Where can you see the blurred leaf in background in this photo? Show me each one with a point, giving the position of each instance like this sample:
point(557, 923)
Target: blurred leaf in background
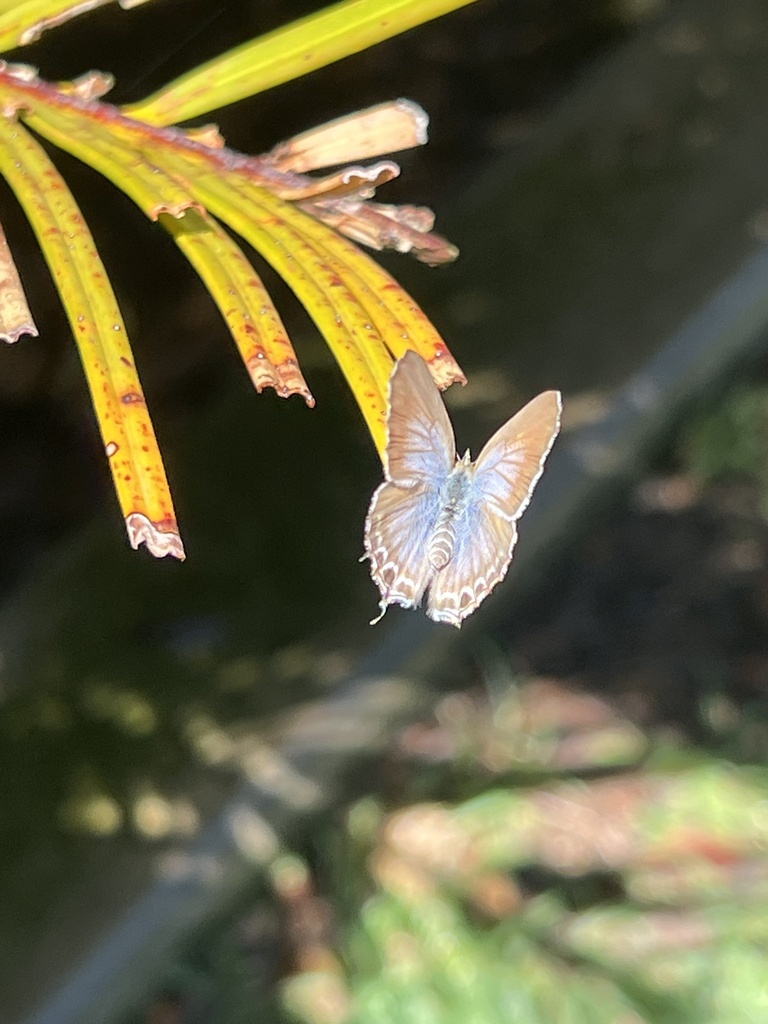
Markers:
point(620, 883)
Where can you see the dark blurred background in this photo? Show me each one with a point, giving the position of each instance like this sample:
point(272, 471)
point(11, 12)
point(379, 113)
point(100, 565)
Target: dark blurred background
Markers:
point(181, 743)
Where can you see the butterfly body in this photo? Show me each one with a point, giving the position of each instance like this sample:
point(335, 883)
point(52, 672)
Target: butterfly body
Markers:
point(445, 524)
point(453, 504)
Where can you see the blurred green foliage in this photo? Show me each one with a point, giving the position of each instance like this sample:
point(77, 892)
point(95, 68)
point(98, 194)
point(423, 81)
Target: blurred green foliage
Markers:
point(574, 887)
point(730, 437)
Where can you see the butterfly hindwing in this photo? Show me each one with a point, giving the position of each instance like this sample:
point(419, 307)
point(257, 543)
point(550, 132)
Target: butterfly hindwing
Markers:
point(480, 559)
point(397, 530)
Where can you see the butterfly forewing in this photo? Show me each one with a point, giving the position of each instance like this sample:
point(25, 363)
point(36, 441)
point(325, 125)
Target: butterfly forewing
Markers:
point(510, 464)
point(420, 445)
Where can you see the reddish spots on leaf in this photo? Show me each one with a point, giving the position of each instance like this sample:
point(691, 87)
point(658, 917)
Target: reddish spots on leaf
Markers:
point(126, 362)
point(167, 524)
point(145, 448)
point(131, 398)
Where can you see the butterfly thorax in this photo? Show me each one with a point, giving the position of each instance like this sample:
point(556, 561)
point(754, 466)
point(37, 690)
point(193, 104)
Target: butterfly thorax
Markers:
point(453, 503)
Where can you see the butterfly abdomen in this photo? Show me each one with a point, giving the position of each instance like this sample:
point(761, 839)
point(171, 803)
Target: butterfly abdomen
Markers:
point(441, 544)
point(453, 503)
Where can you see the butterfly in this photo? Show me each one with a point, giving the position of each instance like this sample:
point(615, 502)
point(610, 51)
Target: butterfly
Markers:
point(442, 523)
